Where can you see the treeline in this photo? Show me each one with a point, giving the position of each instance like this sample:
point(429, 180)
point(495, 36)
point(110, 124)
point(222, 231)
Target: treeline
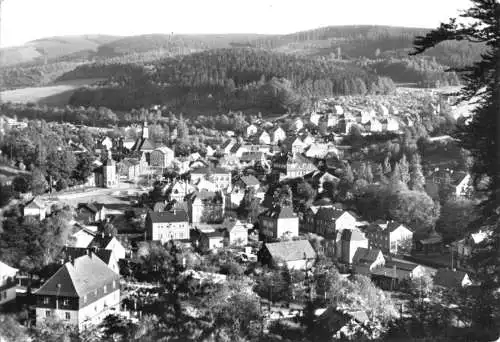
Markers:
point(425, 72)
point(225, 79)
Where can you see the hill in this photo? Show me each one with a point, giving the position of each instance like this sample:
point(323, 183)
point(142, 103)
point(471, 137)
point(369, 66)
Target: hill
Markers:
point(52, 48)
point(224, 79)
point(366, 41)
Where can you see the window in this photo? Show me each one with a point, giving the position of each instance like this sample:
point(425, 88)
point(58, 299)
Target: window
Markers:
point(105, 288)
point(67, 315)
point(47, 313)
point(45, 300)
point(65, 302)
point(85, 298)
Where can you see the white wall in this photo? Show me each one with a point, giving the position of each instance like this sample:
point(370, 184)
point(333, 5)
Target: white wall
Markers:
point(288, 225)
point(6, 295)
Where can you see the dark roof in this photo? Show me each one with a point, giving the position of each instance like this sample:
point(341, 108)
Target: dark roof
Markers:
point(71, 253)
point(227, 143)
point(249, 156)
point(291, 250)
point(449, 278)
point(206, 170)
point(34, 203)
point(78, 278)
point(235, 148)
point(328, 214)
point(177, 215)
point(215, 233)
point(365, 255)
point(143, 144)
point(278, 212)
point(93, 207)
point(352, 235)
point(101, 240)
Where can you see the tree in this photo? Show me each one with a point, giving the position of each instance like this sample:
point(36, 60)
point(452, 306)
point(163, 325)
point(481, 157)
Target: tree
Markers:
point(39, 183)
point(456, 216)
point(482, 135)
point(11, 330)
point(404, 170)
point(413, 208)
point(6, 194)
point(417, 179)
point(117, 328)
point(21, 184)
point(387, 167)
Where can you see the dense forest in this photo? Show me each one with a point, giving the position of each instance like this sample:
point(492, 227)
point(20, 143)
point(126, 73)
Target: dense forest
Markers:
point(425, 72)
point(225, 79)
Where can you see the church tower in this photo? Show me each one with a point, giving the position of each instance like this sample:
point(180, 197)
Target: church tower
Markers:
point(109, 173)
point(145, 131)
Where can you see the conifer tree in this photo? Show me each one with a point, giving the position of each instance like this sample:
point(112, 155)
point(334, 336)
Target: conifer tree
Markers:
point(417, 179)
point(404, 170)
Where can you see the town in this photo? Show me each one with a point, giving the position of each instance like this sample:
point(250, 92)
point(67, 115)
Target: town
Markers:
point(333, 211)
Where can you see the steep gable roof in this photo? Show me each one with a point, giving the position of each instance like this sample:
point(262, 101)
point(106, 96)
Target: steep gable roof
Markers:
point(291, 250)
point(176, 215)
point(78, 278)
point(449, 278)
point(278, 212)
point(365, 255)
point(353, 235)
point(328, 214)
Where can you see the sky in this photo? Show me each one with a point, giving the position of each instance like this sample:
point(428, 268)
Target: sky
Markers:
point(26, 20)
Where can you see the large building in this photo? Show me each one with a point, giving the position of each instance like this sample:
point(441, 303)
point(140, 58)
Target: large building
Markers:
point(107, 175)
point(167, 225)
point(292, 166)
point(162, 157)
point(206, 207)
point(294, 254)
point(390, 237)
point(221, 177)
point(279, 222)
point(81, 293)
point(144, 144)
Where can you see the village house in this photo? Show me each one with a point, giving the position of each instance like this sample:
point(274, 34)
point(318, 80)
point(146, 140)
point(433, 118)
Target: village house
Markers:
point(236, 232)
point(351, 240)
point(81, 293)
point(292, 166)
point(298, 255)
point(162, 157)
point(330, 222)
point(90, 213)
point(246, 182)
point(211, 240)
point(179, 189)
point(314, 118)
point(226, 147)
point(144, 144)
point(106, 255)
point(106, 176)
point(205, 185)
point(277, 134)
point(106, 143)
point(319, 178)
point(108, 242)
point(221, 177)
point(373, 126)
point(83, 237)
point(319, 151)
point(389, 124)
point(251, 130)
point(253, 158)
point(294, 144)
point(307, 218)
point(263, 138)
point(205, 206)
point(279, 222)
point(35, 208)
point(366, 260)
point(130, 169)
point(464, 248)
point(459, 180)
point(390, 237)
point(167, 225)
point(396, 273)
point(238, 149)
point(7, 283)
point(209, 151)
point(297, 124)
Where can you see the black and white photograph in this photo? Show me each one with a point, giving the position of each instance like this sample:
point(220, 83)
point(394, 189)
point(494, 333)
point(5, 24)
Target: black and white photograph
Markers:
point(247, 171)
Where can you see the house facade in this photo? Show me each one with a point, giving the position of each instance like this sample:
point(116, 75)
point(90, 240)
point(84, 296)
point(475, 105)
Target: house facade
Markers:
point(292, 166)
point(167, 225)
point(161, 157)
point(221, 177)
point(390, 237)
point(81, 293)
point(35, 208)
point(7, 283)
point(206, 207)
point(278, 222)
point(298, 255)
point(351, 240)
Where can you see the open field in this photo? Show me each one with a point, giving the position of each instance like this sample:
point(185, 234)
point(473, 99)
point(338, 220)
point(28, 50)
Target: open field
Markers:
point(56, 94)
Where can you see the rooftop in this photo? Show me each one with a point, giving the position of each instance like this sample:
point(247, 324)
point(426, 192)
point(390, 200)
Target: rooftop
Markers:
point(291, 250)
point(176, 215)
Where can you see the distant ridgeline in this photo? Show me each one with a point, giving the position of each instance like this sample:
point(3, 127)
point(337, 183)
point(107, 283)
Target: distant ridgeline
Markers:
point(225, 79)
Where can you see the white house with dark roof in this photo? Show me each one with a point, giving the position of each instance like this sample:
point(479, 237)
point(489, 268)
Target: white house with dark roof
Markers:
point(81, 293)
point(7, 283)
point(366, 260)
point(36, 209)
point(451, 278)
point(297, 254)
point(263, 138)
point(279, 222)
point(161, 157)
point(227, 146)
point(109, 242)
point(167, 225)
point(389, 236)
point(251, 130)
point(351, 240)
point(277, 134)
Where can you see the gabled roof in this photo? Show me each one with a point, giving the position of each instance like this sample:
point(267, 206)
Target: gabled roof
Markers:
point(71, 253)
point(164, 149)
point(328, 214)
point(35, 203)
point(78, 278)
point(227, 143)
point(291, 250)
point(101, 240)
point(92, 207)
point(365, 255)
point(278, 212)
point(176, 215)
point(206, 170)
point(252, 156)
point(6, 270)
point(235, 148)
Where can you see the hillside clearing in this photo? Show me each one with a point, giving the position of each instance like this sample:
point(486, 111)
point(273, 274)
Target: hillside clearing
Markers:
point(57, 94)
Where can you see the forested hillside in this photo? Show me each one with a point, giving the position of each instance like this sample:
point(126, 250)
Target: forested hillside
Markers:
point(225, 79)
point(369, 42)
